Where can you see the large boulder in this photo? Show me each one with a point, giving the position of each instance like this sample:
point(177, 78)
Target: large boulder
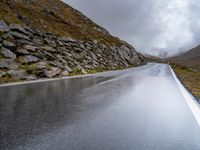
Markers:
point(7, 53)
point(69, 69)
point(48, 49)
point(30, 48)
point(28, 59)
point(61, 59)
point(8, 64)
point(18, 28)
point(52, 72)
point(2, 74)
point(20, 35)
point(41, 65)
point(93, 56)
point(22, 52)
point(65, 73)
point(3, 26)
point(23, 42)
point(9, 45)
point(20, 75)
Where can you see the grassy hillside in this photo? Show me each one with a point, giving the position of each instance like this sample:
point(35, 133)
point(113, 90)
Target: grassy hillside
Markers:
point(56, 17)
point(189, 78)
point(48, 38)
point(188, 69)
point(190, 58)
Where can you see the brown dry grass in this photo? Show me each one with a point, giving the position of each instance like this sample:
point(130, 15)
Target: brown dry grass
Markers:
point(189, 78)
point(56, 17)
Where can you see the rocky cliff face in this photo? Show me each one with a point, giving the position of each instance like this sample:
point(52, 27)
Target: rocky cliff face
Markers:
point(48, 38)
point(27, 54)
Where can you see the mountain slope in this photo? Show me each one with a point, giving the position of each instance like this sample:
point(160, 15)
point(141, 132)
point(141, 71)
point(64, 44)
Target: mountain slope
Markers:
point(48, 38)
point(190, 58)
point(56, 17)
point(187, 67)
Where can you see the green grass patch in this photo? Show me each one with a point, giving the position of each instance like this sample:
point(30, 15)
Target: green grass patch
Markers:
point(28, 68)
point(1, 33)
point(6, 78)
point(48, 67)
point(119, 68)
point(1, 57)
point(91, 71)
point(75, 71)
point(189, 78)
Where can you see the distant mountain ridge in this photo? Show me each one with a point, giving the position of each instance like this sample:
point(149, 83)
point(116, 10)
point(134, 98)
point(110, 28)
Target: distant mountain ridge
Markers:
point(187, 68)
point(190, 58)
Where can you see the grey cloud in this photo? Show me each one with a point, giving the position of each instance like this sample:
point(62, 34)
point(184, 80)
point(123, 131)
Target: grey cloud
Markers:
point(150, 26)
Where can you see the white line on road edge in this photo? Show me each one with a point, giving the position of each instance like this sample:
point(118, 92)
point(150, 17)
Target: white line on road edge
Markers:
point(53, 79)
point(193, 105)
point(64, 78)
point(111, 80)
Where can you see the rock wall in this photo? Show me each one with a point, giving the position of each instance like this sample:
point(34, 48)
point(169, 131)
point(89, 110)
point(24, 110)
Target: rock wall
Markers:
point(28, 54)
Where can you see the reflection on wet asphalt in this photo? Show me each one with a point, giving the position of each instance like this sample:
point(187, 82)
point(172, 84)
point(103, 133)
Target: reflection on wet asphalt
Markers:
point(139, 109)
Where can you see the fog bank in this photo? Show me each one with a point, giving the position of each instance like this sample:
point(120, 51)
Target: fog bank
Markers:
point(152, 27)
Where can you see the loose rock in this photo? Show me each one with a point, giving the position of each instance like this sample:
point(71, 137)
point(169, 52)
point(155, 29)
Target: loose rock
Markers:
point(18, 28)
point(30, 48)
point(22, 52)
point(3, 26)
point(20, 75)
point(2, 74)
point(41, 65)
point(9, 45)
point(28, 59)
point(53, 72)
point(83, 71)
point(49, 49)
point(68, 69)
point(7, 53)
point(20, 36)
point(65, 73)
point(8, 64)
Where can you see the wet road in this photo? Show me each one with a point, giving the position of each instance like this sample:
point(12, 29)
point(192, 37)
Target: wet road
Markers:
point(135, 109)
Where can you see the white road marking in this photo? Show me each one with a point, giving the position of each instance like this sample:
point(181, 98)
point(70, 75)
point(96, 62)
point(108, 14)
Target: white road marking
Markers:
point(54, 79)
point(190, 100)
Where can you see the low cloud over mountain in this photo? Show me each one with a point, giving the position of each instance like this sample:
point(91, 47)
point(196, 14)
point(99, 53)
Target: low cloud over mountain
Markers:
point(151, 25)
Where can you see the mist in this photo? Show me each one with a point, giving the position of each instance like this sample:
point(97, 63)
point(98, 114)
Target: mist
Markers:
point(155, 27)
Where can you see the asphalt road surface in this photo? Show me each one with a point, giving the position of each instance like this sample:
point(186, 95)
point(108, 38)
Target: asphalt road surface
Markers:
point(136, 109)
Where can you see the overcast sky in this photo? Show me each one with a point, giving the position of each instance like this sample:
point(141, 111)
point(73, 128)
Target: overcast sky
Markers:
point(149, 25)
